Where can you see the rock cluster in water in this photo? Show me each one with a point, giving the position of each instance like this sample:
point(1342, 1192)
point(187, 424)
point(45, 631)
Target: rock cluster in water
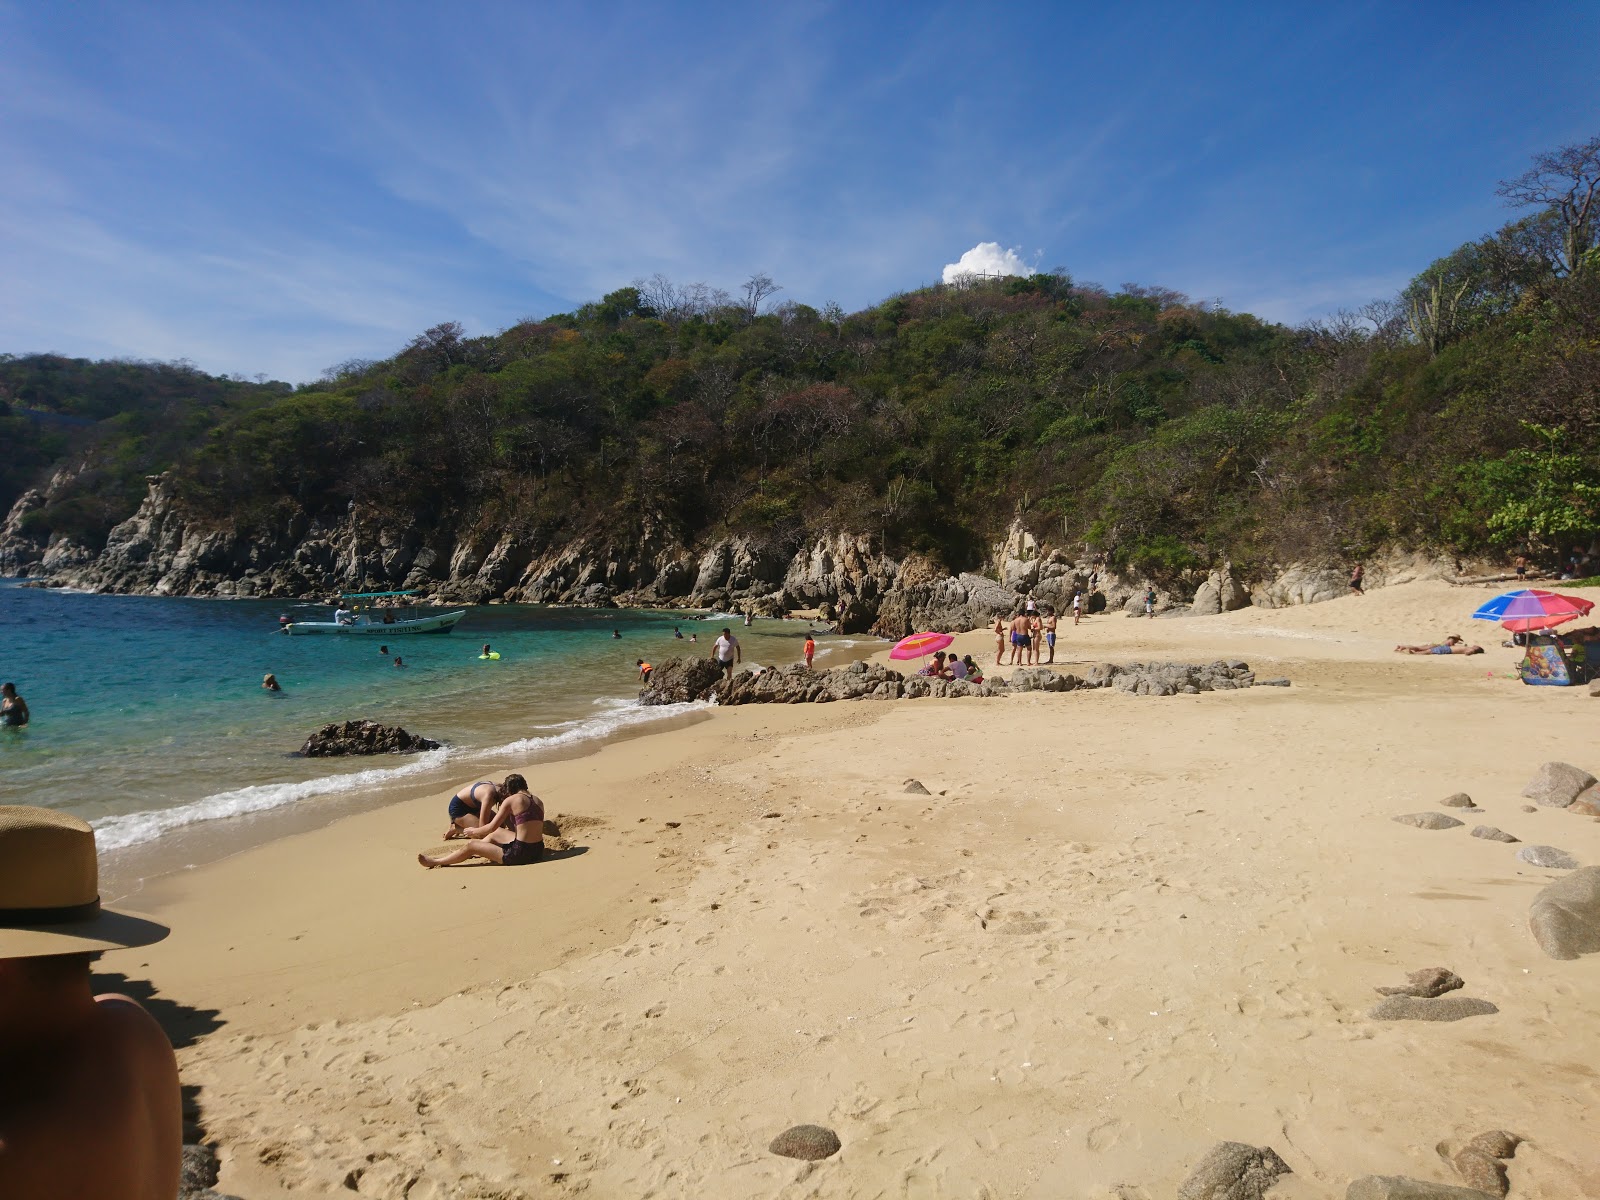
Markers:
point(363, 737)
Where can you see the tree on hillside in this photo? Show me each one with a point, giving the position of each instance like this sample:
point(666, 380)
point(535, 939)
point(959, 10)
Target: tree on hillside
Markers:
point(1565, 181)
point(756, 291)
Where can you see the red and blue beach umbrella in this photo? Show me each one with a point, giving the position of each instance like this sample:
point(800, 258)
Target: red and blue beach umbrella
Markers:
point(1530, 608)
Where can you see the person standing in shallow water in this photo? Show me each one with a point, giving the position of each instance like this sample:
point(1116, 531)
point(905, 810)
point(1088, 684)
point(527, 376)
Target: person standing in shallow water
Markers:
point(13, 708)
point(89, 1097)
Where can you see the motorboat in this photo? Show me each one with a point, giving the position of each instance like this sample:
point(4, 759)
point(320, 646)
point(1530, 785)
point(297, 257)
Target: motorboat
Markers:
point(371, 619)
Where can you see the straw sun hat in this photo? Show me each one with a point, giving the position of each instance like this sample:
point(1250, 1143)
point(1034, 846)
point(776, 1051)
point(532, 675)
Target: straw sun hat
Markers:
point(50, 889)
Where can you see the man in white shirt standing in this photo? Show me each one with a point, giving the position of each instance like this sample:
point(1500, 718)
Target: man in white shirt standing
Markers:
point(726, 653)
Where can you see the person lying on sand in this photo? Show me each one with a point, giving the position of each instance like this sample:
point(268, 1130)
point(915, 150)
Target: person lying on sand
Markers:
point(520, 810)
point(474, 804)
point(1451, 645)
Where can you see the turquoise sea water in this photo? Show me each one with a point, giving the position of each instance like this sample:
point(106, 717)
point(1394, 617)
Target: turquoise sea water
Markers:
point(149, 718)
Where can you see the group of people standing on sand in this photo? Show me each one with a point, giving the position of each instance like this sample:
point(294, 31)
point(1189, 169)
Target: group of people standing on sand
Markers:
point(502, 823)
point(1030, 631)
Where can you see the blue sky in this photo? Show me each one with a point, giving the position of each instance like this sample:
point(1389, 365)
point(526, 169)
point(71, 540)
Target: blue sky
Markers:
point(276, 188)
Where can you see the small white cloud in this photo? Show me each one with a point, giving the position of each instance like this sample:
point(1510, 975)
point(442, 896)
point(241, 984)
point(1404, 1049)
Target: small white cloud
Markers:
point(987, 258)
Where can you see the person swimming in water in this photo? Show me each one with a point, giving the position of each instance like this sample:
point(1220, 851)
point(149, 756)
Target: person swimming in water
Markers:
point(398, 661)
point(13, 708)
point(523, 812)
point(269, 683)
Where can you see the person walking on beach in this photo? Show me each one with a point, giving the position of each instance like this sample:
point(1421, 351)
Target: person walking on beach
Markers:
point(13, 708)
point(810, 650)
point(473, 803)
point(89, 1098)
point(523, 843)
point(1521, 565)
point(726, 653)
point(1355, 580)
point(1150, 603)
point(1050, 633)
point(999, 639)
point(1035, 636)
point(1077, 606)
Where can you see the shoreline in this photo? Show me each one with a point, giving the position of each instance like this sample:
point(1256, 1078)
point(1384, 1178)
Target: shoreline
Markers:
point(1115, 930)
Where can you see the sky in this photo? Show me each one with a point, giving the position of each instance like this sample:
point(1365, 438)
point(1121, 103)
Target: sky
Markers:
point(275, 189)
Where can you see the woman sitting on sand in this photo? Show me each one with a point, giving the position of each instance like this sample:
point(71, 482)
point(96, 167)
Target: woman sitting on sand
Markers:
point(1453, 644)
point(523, 843)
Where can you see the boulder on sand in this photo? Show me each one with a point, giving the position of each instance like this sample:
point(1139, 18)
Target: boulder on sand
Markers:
point(1428, 820)
point(1548, 856)
point(1565, 916)
point(1233, 1171)
point(810, 1142)
point(681, 680)
point(1428, 982)
point(1558, 784)
point(1490, 833)
point(363, 737)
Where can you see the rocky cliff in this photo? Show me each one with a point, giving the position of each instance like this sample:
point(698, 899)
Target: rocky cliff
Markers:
point(161, 550)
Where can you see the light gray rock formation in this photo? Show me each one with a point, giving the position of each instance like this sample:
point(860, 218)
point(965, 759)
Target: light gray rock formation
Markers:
point(1549, 857)
point(1302, 583)
point(1220, 593)
point(1490, 834)
point(1558, 784)
point(1233, 1171)
point(1428, 820)
point(1565, 916)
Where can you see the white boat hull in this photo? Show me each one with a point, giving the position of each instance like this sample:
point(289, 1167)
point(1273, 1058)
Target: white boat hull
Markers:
point(438, 623)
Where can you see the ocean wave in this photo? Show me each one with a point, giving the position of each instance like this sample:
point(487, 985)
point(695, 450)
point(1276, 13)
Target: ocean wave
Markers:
point(619, 715)
point(130, 829)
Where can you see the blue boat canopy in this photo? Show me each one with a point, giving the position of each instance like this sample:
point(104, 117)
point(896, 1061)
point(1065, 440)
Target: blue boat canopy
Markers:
point(374, 595)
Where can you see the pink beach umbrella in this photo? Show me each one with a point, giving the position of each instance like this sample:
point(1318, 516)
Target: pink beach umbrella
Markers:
point(919, 645)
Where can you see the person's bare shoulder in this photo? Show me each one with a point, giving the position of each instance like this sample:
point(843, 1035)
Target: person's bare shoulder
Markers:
point(125, 1020)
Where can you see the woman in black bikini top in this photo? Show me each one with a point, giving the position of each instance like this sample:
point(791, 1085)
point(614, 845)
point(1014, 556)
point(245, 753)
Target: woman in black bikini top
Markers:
point(525, 813)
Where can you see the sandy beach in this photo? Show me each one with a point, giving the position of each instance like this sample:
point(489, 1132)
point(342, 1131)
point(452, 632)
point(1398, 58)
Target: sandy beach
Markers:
point(1116, 931)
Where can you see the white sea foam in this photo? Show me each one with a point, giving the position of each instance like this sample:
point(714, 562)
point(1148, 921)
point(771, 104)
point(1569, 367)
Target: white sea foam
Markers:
point(119, 832)
point(618, 716)
point(115, 833)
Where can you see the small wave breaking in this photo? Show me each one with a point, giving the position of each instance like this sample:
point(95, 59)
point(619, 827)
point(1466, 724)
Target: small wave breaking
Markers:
point(130, 829)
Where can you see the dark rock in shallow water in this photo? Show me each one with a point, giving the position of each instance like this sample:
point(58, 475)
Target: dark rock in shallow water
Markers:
point(1397, 1187)
point(810, 1142)
point(363, 737)
point(1428, 820)
point(1233, 1171)
point(1428, 982)
point(1548, 856)
point(1422, 1008)
point(1565, 916)
point(1558, 784)
point(681, 680)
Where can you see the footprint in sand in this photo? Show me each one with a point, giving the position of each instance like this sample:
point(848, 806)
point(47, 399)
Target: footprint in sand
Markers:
point(1109, 1134)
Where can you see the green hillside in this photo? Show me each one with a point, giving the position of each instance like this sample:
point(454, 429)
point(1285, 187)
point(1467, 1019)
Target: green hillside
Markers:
point(1461, 415)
